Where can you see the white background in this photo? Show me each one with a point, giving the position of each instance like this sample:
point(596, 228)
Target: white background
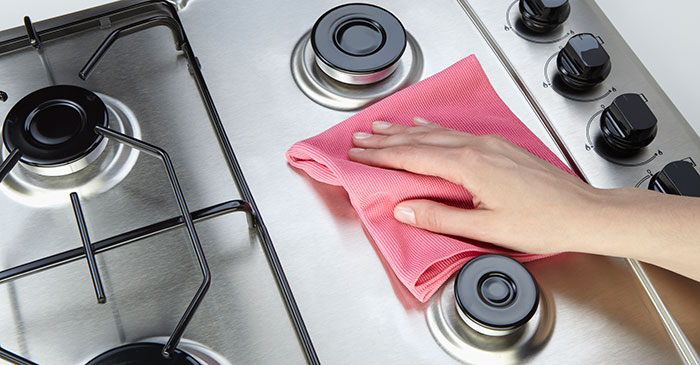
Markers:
point(661, 33)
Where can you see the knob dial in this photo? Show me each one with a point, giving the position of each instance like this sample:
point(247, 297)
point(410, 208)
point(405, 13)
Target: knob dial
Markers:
point(583, 63)
point(678, 178)
point(628, 124)
point(544, 15)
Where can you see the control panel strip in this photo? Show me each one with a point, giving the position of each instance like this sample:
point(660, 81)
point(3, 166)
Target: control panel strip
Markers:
point(522, 87)
point(680, 341)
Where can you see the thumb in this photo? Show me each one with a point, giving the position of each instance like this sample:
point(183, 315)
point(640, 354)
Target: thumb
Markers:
point(441, 218)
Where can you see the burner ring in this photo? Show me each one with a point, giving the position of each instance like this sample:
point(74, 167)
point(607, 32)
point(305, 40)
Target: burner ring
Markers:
point(495, 295)
point(358, 43)
point(55, 126)
point(142, 353)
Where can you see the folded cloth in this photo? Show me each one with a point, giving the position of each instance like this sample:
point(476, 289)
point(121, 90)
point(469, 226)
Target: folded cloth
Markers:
point(459, 97)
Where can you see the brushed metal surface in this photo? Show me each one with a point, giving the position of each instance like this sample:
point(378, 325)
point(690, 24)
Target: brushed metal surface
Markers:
point(51, 317)
point(355, 309)
point(575, 118)
point(462, 338)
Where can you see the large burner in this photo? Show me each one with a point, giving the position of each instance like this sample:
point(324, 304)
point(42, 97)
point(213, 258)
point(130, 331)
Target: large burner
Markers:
point(54, 129)
point(142, 353)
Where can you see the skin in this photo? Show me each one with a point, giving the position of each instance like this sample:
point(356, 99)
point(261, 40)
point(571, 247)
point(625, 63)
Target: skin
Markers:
point(516, 194)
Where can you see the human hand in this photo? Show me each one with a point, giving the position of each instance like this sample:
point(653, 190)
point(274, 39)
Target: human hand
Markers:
point(521, 201)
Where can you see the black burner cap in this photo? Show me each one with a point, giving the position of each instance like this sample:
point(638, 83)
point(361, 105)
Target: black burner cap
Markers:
point(142, 353)
point(360, 38)
point(55, 125)
point(496, 292)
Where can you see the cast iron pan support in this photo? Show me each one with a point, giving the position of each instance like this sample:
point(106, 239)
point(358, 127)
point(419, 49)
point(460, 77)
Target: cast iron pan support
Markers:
point(89, 251)
point(246, 205)
point(173, 22)
point(10, 162)
point(14, 358)
point(158, 152)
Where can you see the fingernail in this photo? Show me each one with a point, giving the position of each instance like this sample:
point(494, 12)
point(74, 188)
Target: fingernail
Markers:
point(420, 120)
point(405, 214)
point(356, 150)
point(381, 125)
point(361, 135)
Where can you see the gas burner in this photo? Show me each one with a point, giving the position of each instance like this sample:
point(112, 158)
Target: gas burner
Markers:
point(149, 351)
point(354, 55)
point(358, 44)
point(145, 353)
point(27, 186)
point(495, 295)
point(54, 129)
point(491, 312)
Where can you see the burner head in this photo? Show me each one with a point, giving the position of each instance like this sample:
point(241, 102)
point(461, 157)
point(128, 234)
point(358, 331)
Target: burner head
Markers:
point(358, 43)
point(495, 295)
point(55, 126)
point(143, 353)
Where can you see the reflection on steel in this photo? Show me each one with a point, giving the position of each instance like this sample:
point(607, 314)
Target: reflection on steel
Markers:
point(89, 251)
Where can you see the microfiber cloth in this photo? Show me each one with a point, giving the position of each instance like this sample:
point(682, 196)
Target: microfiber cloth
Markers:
point(459, 97)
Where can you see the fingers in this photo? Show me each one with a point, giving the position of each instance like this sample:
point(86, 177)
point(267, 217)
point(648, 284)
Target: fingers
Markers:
point(441, 218)
point(424, 132)
point(413, 136)
point(420, 124)
point(419, 159)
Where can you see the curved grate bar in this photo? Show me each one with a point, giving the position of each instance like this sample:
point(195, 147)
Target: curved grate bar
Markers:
point(189, 225)
point(13, 358)
point(10, 162)
point(178, 34)
point(173, 21)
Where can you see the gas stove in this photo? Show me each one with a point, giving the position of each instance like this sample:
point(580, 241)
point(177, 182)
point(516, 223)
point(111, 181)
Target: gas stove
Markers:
point(161, 219)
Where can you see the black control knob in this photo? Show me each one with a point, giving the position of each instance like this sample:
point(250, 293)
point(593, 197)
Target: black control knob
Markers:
point(583, 63)
point(628, 124)
point(678, 178)
point(544, 15)
point(495, 295)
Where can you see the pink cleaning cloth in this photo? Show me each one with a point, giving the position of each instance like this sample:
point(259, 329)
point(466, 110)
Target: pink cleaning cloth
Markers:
point(460, 97)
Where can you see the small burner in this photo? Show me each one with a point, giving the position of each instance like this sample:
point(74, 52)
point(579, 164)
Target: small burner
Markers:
point(55, 126)
point(495, 295)
point(142, 353)
point(358, 43)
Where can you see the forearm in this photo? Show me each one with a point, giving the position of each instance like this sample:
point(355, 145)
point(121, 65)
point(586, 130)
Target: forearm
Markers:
point(648, 226)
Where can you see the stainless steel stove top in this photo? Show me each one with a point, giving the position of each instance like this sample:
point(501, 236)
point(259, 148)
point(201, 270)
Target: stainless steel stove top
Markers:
point(353, 307)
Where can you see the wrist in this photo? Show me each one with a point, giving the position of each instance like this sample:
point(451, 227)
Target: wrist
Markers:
point(610, 220)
